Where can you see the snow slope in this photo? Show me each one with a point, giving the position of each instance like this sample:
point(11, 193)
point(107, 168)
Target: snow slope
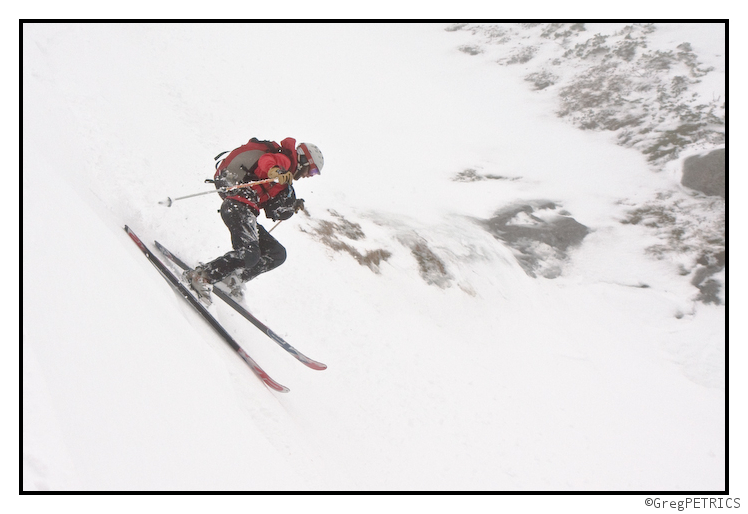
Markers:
point(469, 375)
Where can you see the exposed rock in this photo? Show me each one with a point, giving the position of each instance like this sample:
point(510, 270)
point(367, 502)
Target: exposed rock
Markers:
point(540, 234)
point(706, 173)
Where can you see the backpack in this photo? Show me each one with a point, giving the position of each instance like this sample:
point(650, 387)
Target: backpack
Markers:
point(239, 165)
point(243, 160)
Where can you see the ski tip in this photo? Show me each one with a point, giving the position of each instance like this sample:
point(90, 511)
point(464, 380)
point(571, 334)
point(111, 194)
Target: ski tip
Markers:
point(166, 202)
point(272, 384)
point(316, 365)
point(278, 388)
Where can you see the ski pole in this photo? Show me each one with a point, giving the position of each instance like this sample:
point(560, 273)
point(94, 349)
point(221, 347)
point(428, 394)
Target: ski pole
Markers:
point(168, 201)
point(273, 227)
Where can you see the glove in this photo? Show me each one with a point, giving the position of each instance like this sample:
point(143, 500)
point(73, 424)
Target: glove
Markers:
point(280, 175)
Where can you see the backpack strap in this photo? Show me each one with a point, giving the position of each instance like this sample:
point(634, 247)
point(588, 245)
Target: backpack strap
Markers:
point(217, 157)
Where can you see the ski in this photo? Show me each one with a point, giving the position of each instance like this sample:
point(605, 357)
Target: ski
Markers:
point(223, 295)
point(203, 311)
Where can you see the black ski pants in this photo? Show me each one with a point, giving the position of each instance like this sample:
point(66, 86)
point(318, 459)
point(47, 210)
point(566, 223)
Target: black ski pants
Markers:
point(255, 250)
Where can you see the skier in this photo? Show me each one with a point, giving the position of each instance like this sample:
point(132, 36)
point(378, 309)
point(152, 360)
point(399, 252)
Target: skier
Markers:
point(255, 250)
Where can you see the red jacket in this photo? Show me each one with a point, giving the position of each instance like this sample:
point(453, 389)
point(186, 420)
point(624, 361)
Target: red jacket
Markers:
point(258, 157)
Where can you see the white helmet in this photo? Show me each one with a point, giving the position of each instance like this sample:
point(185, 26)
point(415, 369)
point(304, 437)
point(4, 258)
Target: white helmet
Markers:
point(310, 158)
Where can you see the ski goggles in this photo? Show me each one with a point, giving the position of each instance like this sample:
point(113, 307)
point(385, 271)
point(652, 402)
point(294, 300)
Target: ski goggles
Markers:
point(306, 162)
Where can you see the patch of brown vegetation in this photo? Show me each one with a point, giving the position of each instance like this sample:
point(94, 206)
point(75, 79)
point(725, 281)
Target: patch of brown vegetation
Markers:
point(330, 233)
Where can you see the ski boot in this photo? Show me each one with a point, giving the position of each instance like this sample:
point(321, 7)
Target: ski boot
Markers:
point(198, 281)
point(234, 286)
